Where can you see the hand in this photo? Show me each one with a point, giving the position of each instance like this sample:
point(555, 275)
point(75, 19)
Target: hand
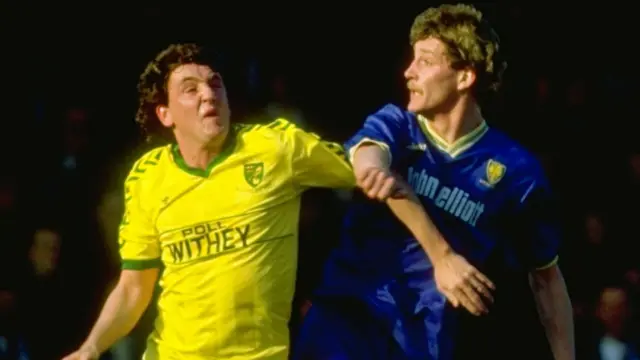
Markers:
point(463, 284)
point(380, 184)
point(84, 353)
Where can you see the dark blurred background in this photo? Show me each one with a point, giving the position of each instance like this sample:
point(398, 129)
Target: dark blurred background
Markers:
point(70, 73)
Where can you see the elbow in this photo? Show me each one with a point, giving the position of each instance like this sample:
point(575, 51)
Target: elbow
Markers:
point(548, 280)
point(546, 275)
point(137, 286)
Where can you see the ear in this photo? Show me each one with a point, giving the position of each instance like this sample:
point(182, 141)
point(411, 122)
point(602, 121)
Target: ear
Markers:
point(162, 111)
point(466, 79)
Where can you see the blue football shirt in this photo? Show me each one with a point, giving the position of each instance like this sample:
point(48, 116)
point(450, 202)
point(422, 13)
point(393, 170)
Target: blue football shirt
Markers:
point(487, 195)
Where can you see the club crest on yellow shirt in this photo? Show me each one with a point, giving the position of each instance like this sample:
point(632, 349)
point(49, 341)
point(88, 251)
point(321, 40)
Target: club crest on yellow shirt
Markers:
point(495, 172)
point(253, 173)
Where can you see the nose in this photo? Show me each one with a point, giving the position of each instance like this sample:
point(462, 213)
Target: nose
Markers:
point(409, 72)
point(208, 93)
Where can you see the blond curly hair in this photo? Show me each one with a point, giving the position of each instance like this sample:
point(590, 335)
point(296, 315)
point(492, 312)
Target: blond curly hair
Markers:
point(470, 41)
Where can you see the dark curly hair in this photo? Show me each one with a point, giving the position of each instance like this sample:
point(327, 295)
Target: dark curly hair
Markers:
point(470, 42)
point(152, 86)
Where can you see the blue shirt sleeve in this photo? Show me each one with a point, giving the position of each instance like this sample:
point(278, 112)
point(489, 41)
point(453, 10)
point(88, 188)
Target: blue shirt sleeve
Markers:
point(541, 230)
point(389, 127)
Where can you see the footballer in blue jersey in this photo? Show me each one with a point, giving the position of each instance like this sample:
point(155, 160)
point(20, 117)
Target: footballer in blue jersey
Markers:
point(487, 195)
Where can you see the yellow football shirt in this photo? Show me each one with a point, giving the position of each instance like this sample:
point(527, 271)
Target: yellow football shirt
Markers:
point(227, 238)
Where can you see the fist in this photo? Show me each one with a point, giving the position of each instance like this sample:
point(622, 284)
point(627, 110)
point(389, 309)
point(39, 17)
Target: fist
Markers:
point(376, 183)
point(379, 184)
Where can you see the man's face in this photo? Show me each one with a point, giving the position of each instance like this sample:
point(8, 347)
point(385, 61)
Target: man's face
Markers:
point(198, 108)
point(613, 309)
point(431, 81)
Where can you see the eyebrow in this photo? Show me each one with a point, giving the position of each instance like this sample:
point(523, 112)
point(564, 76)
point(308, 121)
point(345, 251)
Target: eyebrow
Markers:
point(215, 76)
point(427, 52)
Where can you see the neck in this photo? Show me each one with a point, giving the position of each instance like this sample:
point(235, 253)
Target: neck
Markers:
point(459, 120)
point(199, 156)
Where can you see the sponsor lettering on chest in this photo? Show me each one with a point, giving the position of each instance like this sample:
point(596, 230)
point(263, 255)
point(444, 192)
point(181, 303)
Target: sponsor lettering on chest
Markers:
point(451, 199)
point(206, 240)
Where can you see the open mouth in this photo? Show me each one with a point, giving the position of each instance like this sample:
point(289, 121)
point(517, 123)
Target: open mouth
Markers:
point(210, 113)
point(413, 91)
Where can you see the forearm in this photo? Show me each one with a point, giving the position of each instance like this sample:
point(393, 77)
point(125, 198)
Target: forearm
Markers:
point(554, 309)
point(408, 208)
point(410, 211)
point(119, 315)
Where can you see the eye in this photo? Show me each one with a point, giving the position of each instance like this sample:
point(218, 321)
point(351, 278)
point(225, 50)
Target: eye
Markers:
point(189, 89)
point(216, 82)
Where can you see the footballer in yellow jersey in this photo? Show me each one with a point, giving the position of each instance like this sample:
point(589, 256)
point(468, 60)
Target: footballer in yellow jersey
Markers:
point(218, 211)
point(227, 238)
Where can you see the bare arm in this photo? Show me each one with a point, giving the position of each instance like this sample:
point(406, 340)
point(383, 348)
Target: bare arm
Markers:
point(412, 214)
point(554, 309)
point(122, 310)
point(406, 208)
point(458, 280)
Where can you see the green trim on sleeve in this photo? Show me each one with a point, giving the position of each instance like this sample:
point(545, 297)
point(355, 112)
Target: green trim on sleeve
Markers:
point(141, 264)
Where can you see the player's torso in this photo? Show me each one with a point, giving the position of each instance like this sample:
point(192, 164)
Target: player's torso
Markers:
point(465, 195)
point(465, 192)
point(229, 247)
point(470, 194)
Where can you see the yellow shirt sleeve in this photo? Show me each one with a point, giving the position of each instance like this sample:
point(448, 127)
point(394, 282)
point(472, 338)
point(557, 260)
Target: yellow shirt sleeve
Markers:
point(138, 239)
point(315, 162)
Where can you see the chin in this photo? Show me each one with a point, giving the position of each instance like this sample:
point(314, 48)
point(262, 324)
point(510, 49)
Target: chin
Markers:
point(214, 127)
point(216, 132)
point(414, 107)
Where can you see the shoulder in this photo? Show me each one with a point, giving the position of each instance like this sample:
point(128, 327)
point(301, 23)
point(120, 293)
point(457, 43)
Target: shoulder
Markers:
point(270, 129)
point(393, 112)
point(522, 165)
point(148, 169)
point(276, 135)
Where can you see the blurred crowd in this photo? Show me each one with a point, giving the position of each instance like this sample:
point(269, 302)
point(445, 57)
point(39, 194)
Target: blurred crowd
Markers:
point(59, 230)
point(60, 209)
